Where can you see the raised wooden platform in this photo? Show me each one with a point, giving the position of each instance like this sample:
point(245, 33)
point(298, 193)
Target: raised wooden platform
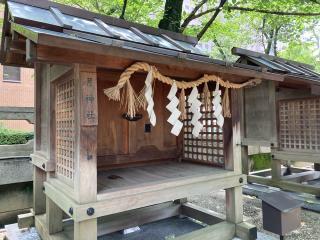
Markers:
point(131, 188)
point(142, 176)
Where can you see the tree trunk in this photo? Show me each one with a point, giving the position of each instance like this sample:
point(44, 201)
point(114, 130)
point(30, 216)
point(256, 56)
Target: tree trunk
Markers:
point(172, 15)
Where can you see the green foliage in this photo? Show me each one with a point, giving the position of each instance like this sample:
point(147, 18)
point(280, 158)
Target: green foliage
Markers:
point(8, 136)
point(302, 52)
point(261, 161)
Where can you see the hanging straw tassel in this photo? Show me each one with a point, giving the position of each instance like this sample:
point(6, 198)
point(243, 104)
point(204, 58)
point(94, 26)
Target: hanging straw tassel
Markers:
point(206, 97)
point(182, 105)
point(226, 104)
point(129, 100)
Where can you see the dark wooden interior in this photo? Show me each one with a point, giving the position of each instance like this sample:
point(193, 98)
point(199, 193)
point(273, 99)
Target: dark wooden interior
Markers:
point(123, 142)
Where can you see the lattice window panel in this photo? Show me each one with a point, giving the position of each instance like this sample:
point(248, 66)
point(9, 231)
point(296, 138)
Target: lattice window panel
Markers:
point(299, 124)
point(65, 130)
point(208, 147)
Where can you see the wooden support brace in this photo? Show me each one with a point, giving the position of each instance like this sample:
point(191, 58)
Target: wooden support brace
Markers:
point(86, 229)
point(39, 198)
point(54, 217)
point(286, 185)
point(276, 169)
point(234, 205)
point(204, 215)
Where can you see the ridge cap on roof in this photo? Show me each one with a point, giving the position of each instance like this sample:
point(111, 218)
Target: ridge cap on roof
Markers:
point(89, 15)
point(246, 52)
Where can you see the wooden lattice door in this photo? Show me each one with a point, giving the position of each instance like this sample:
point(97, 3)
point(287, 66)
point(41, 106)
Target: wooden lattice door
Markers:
point(208, 147)
point(65, 129)
point(299, 124)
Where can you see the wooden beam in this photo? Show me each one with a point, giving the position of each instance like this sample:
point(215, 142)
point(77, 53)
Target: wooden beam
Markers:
point(296, 156)
point(14, 46)
point(100, 49)
point(223, 230)
point(114, 202)
point(302, 176)
point(286, 185)
point(255, 142)
point(201, 214)
point(39, 160)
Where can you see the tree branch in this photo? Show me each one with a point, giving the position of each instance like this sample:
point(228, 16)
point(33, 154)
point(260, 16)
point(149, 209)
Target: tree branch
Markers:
point(220, 49)
point(209, 23)
point(124, 7)
point(195, 16)
point(315, 1)
point(191, 15)
point(304, 14)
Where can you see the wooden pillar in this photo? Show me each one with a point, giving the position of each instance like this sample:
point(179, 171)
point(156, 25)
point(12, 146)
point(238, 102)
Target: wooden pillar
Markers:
point(54, 217)
point(85, 230)
point(234, 205)
point(245, 160)
point(234, 201)
point(39, 176)
point(85, 176)
point(276, 169)
point(39, 198)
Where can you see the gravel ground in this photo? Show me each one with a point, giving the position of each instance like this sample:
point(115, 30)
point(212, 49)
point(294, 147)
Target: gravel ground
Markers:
point(310, 226)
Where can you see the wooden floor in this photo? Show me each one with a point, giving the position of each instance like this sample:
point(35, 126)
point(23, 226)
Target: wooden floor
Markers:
point(110, 180)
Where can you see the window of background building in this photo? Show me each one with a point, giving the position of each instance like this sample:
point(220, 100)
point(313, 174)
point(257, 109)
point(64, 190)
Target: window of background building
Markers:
point(11, 74)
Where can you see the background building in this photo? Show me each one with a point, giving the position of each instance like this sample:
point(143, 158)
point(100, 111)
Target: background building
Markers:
point(16, 90)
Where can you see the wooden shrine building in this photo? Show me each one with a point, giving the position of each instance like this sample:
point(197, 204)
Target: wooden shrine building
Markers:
point(286, 117)
point(98, 163)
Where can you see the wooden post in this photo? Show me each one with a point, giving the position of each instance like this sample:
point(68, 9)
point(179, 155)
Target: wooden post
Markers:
point(276, 169)
point(85, 230)
point(234, 205)
point(54, 217)
point(85, 179)
point(234, 201)
point(39, 198)
point(245, 160)
point(39, 176)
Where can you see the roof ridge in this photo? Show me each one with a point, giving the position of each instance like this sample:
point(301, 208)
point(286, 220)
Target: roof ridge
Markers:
point(85, 14)
point(242, 51)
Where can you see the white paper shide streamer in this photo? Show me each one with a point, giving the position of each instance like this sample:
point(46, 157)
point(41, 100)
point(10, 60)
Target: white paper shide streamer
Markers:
point(195, 104)
point(149, 98)
point(217, 107)
point(175, 113)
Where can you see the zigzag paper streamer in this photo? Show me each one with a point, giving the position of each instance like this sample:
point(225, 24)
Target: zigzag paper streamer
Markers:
point(217, 107)
point(149, 98)
point(195, 109)
point(175, 113)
